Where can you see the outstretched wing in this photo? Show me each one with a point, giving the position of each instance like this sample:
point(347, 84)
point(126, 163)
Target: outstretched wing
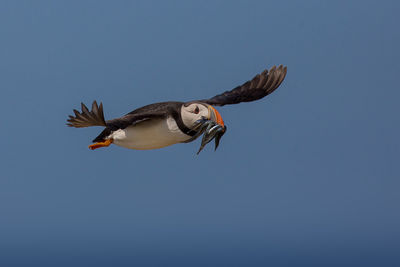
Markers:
point(87, 118)
point(132, 119)
point(260, 86)
point(148, 112)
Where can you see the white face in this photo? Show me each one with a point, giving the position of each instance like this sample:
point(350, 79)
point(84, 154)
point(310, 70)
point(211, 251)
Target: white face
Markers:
point(192, 113)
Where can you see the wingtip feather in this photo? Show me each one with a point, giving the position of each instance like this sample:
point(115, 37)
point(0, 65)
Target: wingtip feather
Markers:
point(86, 118)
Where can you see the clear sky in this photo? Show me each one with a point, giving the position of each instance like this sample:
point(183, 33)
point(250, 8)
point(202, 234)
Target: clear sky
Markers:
point(308, 176)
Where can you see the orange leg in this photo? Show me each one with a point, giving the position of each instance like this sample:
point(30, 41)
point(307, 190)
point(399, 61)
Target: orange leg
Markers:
point(101, 144)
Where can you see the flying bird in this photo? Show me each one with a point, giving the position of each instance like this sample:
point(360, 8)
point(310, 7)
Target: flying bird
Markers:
point(163, 124)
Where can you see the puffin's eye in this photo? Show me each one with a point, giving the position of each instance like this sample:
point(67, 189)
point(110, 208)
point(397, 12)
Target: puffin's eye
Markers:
point(196, 110)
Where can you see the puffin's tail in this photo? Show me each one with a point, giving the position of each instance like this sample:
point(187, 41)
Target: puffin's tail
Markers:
point(87, 118)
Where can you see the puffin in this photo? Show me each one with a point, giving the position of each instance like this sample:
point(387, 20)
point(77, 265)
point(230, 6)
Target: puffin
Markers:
point(163, 124)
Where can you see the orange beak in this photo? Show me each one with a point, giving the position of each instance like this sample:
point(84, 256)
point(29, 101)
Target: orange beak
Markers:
point(215, 116)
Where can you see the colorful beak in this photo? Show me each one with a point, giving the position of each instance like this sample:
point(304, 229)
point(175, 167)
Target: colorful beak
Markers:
point(215, 116)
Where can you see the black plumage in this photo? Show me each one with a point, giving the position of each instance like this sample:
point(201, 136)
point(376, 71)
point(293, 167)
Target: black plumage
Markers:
point(87, 118)
point(260, 86)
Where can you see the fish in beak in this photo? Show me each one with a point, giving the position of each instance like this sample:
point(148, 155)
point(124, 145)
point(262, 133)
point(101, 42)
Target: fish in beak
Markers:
point(213, 127)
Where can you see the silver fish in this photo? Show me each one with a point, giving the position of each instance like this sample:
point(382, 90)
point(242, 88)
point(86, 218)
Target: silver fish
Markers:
point(211, 131)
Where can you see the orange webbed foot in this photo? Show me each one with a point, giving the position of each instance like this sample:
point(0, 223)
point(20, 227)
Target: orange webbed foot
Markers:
point(100, 144)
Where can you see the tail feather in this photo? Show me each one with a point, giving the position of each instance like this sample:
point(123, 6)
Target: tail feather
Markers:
point(87, 118)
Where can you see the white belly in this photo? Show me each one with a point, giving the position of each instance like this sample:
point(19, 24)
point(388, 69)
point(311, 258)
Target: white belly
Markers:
point(150, 134)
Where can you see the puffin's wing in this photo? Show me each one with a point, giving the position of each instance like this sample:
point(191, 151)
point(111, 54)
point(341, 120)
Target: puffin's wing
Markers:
point(132, 119)
point(87, 118)
point(95, 117)
point(152, 111)
point(260, 86)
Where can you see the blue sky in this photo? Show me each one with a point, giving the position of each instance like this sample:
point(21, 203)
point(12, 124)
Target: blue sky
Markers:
point(308, 176)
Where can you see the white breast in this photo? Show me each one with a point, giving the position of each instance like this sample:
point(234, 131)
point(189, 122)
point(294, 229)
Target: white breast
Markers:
point(150, 134)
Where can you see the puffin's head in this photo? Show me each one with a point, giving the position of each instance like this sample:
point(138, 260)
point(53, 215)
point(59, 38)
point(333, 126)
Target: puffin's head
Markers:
point(203, 118)
point(193, 112)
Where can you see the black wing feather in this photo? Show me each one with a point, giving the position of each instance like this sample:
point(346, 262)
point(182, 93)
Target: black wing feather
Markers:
point(260, 86)
point(87, 118)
